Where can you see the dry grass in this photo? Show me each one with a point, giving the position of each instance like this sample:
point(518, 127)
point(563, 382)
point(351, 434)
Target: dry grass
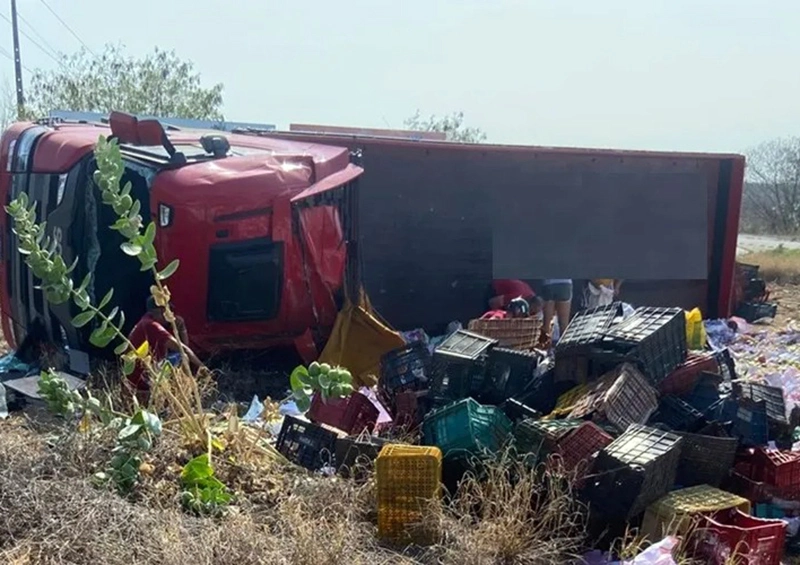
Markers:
point(779, 266)
point(50, 513)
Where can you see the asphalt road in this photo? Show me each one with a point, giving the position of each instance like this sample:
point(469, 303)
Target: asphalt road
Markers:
point(752, 243)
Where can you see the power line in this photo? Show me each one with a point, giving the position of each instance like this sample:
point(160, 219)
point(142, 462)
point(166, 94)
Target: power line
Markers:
point(38, 35)
point(69, 29)
point(32, 40)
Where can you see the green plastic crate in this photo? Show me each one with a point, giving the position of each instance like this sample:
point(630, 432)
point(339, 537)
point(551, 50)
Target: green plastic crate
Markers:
point(466, 427)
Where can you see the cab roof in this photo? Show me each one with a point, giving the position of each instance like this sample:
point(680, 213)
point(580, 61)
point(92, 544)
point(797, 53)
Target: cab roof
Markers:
point(64, 144)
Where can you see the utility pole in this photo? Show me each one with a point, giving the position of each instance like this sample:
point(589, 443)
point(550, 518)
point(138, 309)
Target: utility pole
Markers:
point(17, 59)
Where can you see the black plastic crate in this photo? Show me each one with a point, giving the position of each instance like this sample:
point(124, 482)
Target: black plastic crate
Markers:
point(772, 396)
point(748, 418)
point(635, 470)
point(588, 327)
point(517, 411)
point(581, 366)
point(753, 311)
point(748, 272)
point(653, 338)
point(727, 366)
point(533, 439)
point(706, 391)
point(464, 346)
point(679, 415)
point(405, 368)
point(542, 394)
point(755, 290)
point(355, 457)
point(508, 373)
point(307, 444)
point(455, 379)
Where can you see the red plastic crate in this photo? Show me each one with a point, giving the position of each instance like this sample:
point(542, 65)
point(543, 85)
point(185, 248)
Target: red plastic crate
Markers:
point(733, 536)
point(579, 446)
point(778, 468)
point(681, 381)
point(352, 415)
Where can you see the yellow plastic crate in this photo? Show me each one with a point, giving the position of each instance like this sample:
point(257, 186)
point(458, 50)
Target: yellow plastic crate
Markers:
point(409, 478)
point(567, 401)
point(673, 513)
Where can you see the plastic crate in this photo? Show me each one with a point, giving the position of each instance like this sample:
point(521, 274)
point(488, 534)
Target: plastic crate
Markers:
point(754, 311)
point(705, 459)
point(355, 456)
point(588, 327)
point(407, 410)
point(466, 427)
point(734, 534)
point(541, 394)
point(408, 478)
point(352, 415)
point(727, 366)
point(575, 451)
point(678, 511)
point(466, 346)
point(405, 368)
point(706, 392)
point(778, 468)
point(307, 444)
point(772, 396)
point(682, 380)
point(755, 290)
point(622, 397)
point(754, 491)
point(513, 333)
point(655, 338)
point(680, 416)
point(634, 470)
point(534, 439)
point(750, 422)
point(453, 378)
point(566, 402)
point(508, 373)
point(517, 411)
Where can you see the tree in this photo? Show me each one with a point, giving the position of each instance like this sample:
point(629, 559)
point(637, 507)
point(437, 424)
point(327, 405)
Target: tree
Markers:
point(772, 192)
point(8, 105)
point(159, 84)
point(452, 126)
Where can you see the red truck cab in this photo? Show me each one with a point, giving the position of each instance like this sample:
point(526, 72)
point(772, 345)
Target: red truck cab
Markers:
point(260, 226)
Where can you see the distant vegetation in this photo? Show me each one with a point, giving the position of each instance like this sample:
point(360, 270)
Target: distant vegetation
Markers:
point(771, 203)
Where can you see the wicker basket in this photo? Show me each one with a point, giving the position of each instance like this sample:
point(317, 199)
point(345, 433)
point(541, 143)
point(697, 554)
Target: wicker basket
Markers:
point(622, 397)
point(513, 333)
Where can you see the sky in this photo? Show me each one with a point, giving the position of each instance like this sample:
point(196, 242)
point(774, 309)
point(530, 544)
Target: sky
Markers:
point(691, 75)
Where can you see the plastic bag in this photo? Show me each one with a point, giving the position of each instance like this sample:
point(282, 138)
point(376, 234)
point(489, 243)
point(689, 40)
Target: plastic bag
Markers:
point(695, 330)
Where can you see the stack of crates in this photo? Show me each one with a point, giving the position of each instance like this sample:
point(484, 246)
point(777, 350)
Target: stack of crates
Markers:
point(466, 428)
point(408, 479)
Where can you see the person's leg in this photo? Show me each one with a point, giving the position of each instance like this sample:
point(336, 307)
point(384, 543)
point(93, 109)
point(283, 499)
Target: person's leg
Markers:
point(562, 296)
point(548, 311)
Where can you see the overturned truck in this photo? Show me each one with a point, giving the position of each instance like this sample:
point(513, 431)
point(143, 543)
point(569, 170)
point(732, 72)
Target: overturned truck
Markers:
point(274, 228)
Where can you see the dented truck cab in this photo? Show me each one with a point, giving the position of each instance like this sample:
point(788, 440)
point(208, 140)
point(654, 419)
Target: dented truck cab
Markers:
point(261, 228)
